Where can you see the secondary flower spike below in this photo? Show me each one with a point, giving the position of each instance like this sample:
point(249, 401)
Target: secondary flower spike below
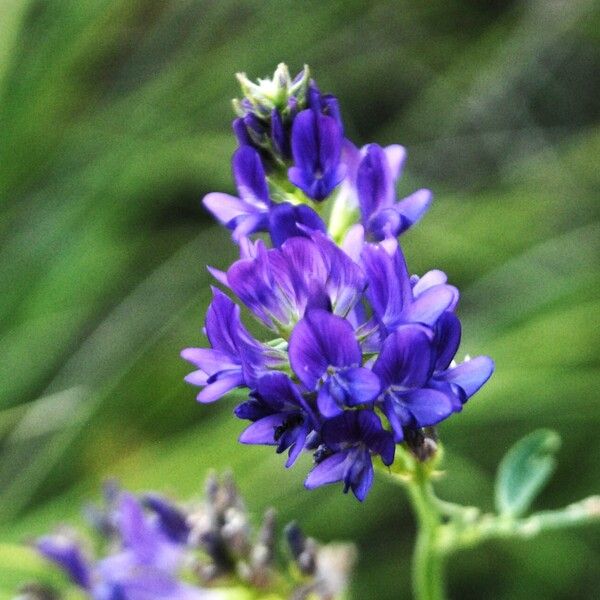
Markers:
point(356, 354)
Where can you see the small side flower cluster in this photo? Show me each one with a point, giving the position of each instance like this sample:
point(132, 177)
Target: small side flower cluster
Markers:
point(154, 548)
point(357, 354)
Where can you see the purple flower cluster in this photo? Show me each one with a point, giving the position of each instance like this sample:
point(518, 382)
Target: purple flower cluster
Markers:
point(154, 549)
point(148, 560)
point(357, 353)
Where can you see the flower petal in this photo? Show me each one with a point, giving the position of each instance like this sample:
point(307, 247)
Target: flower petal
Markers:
point(65, 553)
point(413, 207)
point(250, 177)
point(428, 406)
point(405, 358)
point(263, 430)
point(217, 389)
point(226, 208)
point(470, 375)
point(321, 340)
point(361, 385)
point(330, 470)
point(430, 304)
point(396, 157)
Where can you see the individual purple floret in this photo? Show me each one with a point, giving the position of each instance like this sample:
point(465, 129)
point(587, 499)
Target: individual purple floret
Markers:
point(350, 439)
point(235, 357)
point(316, 149)
point(325, 356)
point(278, 284)
point(253, 211)
point(249, 212)
point(281, 416)
point(372, 175)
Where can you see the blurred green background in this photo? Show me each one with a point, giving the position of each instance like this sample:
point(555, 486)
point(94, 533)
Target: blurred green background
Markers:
point(115, 120)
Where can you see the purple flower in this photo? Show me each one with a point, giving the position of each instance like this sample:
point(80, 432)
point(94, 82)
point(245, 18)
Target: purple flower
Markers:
point(316, 147)
point(281, 417)
point(235, 357)
point(247, 213)
point(253, 210)
point(277, 285)
point(326, 356)
point(145, 567)
point(350, 439)
point(417, 390)
point(404, 367)
point(371, 181)
point(391, 294)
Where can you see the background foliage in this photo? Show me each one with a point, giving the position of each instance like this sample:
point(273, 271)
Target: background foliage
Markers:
point(114, 121)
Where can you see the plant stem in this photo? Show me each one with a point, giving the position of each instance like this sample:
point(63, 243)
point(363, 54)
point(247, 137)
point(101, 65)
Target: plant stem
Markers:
point(427, 568)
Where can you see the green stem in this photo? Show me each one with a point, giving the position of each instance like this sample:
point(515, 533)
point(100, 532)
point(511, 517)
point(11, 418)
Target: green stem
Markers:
point(428, 567)
point(493, 526)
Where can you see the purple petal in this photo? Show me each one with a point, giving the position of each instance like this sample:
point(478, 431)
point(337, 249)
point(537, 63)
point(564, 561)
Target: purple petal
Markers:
point(397, 415)
point(134, 529)
point(470, 375)
point(374, 182)
point(429, 305)
point(172, 521)
point(278, 390)
point(431, 278)
point(249, 224)
point(321, 340)
point(389, 290)
point(354, 242)
point(360, 384)
point(65, 553)
point(263, 431)
point(278, 135)
point(297, 447)
point(330, 144)
point(240, 131)
point(330, 470)
point(405, 357)
point(413, 207)
point(305, 149)
point(328, 404)
point(208, 360)
point(222, 318)
point(217, 389)
point(345, 280)
point(396, 157)
point(250, 177)
point(284, 221)
point(376, 438)
point(316, 148)
point(428, 406)
point(385, 223)
point(226, 208)
point(197, 378)
point(219, 275)
point(362, 486)
point(447, 339)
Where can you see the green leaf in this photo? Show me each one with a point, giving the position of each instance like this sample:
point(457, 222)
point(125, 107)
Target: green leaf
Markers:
point(524, 470)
